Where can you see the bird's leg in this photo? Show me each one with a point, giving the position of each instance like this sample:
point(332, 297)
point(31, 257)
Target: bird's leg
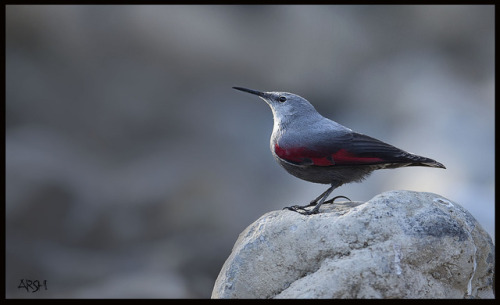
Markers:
point(303, 207)
point(313, 202)
point(320, 202)
point(317, 202)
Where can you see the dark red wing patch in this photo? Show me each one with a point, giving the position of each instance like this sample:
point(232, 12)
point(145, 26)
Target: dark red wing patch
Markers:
point(342, 156)
point(305, 156)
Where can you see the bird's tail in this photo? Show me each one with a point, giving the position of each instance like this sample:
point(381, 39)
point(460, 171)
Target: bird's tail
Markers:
point(423, 161)
point(409, 159)
point(431, 164)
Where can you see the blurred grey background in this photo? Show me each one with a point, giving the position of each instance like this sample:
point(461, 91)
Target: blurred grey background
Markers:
point(132, 166)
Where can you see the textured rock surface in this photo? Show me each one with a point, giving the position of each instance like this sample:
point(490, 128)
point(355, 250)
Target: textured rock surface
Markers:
point(400, 244)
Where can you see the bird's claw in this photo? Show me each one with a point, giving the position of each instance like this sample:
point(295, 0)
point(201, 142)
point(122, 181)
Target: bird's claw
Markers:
point(336, 197)
point(295, 208)
point(306, 212)
point(301, 209)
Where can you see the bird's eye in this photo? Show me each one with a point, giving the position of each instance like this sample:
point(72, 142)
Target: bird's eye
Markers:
point(282, 99)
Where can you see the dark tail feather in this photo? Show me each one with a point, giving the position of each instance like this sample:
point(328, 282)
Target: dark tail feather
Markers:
point(431, 164)
point(422, 161)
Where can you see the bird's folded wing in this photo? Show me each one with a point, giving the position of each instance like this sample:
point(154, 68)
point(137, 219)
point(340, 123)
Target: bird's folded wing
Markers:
point(349, 149)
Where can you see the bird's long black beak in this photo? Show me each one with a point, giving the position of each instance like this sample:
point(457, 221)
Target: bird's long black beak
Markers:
point(258, 93)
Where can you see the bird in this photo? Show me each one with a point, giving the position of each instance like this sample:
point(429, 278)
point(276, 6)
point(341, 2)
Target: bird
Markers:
point(314, 148)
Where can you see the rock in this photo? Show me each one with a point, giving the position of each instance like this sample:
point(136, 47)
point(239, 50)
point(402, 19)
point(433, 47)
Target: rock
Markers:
point(400, 244)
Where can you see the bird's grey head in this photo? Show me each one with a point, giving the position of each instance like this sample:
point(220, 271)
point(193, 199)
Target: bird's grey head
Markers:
point(285, 106)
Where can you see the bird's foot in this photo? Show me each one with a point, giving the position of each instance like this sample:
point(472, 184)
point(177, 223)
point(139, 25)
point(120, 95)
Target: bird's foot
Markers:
point(336, 197)
point(302, 209)
point(296, 207)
